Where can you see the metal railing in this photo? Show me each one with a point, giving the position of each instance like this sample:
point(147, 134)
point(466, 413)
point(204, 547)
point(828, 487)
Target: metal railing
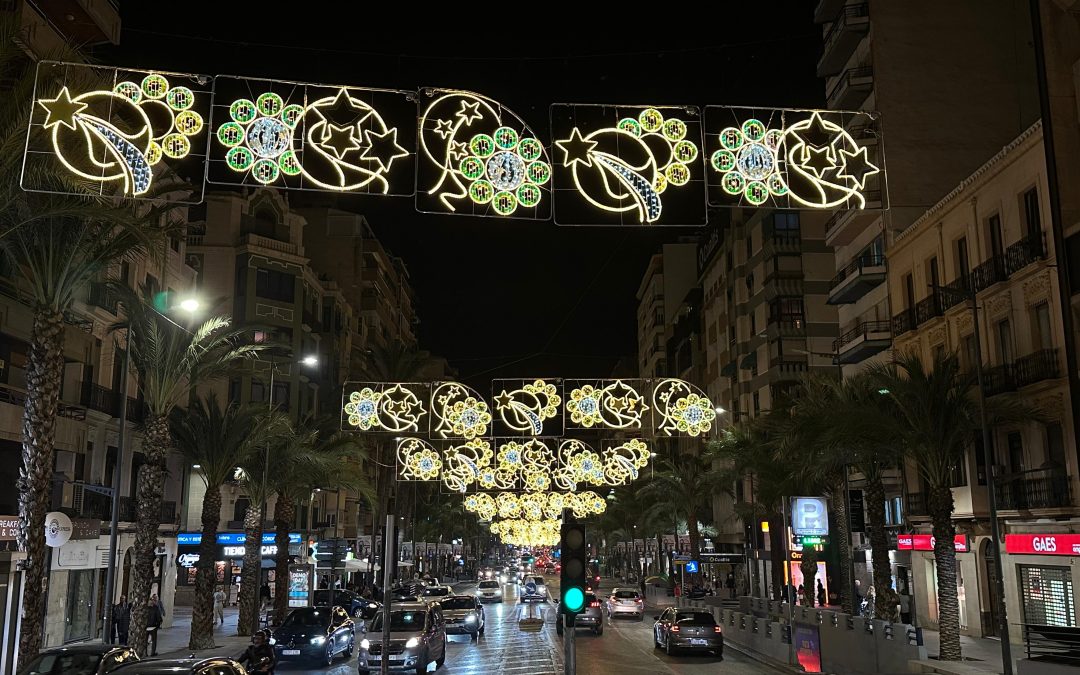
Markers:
point(856, 266)
point(1052, 644)
point(1024, 252)
point(846, 77)
point(15, 396)
point(1036, 367)
point(101, 296)
point(903, 322)
point(998, 379)
point(862, 329)
point(841, 22)
point(928, 308)
point(1035, 489)
point(988, 273)
point(96, 397)
point(915, 504)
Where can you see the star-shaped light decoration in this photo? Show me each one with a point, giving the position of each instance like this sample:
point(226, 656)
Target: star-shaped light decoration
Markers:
point(383, 148)
point(817, 134)
point(61, 110)
point(470, 112)
point(503, 400)
point(444, 128)
point(341, 110)
point(576, 149)
point(856, 166)
point(818, 160)
point(339, 140)
point(458, 150)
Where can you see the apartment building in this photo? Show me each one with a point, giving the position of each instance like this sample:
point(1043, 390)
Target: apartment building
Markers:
point(953, 82)
point(990, 235)
point(668, 277)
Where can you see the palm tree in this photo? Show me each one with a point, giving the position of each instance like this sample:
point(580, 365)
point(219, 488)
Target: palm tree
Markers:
point(935, 417)
point(215, 439)
point(684, 487)
point(171, 362)
point(54, 245)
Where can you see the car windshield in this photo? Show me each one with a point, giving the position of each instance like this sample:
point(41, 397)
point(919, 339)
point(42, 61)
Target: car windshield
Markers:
point(699, 618)
point(437, 591)
point(401, 621)
point(590, 598)
point(308, 617)
point(489, 584)
point(458, 603)
point(627, 595)
point(322, 598)
point(539, 581)
point(63, 664)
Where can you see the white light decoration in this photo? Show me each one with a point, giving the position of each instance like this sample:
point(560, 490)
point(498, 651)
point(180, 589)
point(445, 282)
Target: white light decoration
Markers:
point(335, 140)
point(392, 407)
point(458, 412)
point(417, 460)
point(479, 157)
point(516, 532)
point(683, 409)
point(604, 404)
point(470, 462)
point(631, 164)
point(533, 506)
point(527, 408)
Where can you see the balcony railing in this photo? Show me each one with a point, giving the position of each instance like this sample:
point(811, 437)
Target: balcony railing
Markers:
point(1024, 252)
point(97, 397)
point(1036, 367)
point(856, 266)
point(928, 308)
point(101, 296)
point(903, 322)
point(998, 380)
point(988, 273)
point(863, 330)
point(844, 34)
point(1036, 489)
point(915, 504)
point(848, 81)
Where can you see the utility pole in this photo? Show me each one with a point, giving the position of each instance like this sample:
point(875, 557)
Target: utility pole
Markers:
point(114, 519)
point(388, 551)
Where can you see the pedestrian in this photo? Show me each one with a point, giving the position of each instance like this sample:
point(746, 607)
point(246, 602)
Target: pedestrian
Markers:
point(858, 595)
point(642, 584)
point(264, 594)
point(801, 595)
point(730, 585)
point(868, 608)
point(219, 606)
point(905, 606)
point(122, 619)
point(153, 623)
point(160, 607)
point(820, 594)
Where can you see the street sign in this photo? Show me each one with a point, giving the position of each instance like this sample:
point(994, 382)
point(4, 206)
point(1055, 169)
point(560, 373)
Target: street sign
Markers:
point(680, 558)
point(691, 567)
point(724, 558)
point(809, 516)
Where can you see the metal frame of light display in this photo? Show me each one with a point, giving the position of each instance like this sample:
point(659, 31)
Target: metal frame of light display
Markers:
point(389, 407)
point(114, 127)
point(791, 158)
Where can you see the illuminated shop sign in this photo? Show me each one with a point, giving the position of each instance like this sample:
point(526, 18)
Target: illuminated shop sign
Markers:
point(925, 542)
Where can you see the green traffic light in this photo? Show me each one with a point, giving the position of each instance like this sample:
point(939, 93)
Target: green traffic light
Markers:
point(573, 599)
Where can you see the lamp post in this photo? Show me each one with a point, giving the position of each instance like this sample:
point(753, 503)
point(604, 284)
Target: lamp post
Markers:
point(968, 294)
point(189, 305)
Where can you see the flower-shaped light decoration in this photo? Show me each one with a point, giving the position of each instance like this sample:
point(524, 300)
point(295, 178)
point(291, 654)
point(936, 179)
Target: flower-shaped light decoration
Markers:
point(259, 137)
point(612, 404)
point(517, 532)
point(508, 505)
point(537, 480)
point(387, 407)
point(505, 170)
point(510, 456)
point(458, 412)
point(683, 409)
point(466, 463)
point(425, 464)
point(556, 502)
point(622, 463)
point(469, 418)
point(417, 460)
point(532, 505)
point(525, 409)
point(748, 160)
point(169, 108)
point(588, 468)
point(363, 408)
point(584, 406)
point(482, 504)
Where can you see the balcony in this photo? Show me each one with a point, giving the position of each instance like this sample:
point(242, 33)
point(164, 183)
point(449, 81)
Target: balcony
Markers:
point(915, 504)
point(1035, 489)
point(267, 243)
point(857, 279)
point(1037, 367)
point(82, 500)
point(96, 397)
point(998, 380)
point(863, 341)
point(851, 88)
point(826, 10)
point(903, 322)
point(844, 225)
point(1024, 252)
point(101, 296)
point(848, 28)
point(788, 325)
point(928, 308)
point(988, 273)
point(195, 240)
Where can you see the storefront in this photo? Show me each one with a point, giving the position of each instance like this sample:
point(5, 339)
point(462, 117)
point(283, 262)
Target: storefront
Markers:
point(1043, 571)
point(923, 574)
point(228, 561)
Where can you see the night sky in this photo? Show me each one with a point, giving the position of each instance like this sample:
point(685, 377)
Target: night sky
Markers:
point(503, 297)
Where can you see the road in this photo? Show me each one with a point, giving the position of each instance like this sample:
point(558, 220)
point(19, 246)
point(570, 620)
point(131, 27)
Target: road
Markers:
point(625, 648)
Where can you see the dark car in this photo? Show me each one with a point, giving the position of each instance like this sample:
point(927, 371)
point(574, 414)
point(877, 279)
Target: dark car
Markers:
point(464, 615)
point(217, 665)
point(316, 633)
point(417, 637)
point(357, 606)
point(81, 659)
point(591, 616)
point(689, 630)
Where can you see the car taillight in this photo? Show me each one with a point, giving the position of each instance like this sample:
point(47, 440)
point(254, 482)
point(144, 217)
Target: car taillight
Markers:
point(675, 628)
point(595, 603)
point(637, 600)
point(716, 629)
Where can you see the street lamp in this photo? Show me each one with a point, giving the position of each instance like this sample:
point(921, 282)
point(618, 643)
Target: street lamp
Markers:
point(190, 305)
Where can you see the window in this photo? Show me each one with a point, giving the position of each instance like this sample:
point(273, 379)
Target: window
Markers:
point(1005, 348)
point(968, 355)
point(1041, 326)
point(963, 266)
point(749, 245)
point(1047, 596)
point(152, 285)
point(993, 234)
point(786, 225)
point(909, 292)
point(787, 310)
point(1030, 205)
point(753, 324)
point(258, 391)
point(757, 402)
point(125, 272)
point(1016, 451)
point(1055, 446)
point(932, 278)
point(274, 285)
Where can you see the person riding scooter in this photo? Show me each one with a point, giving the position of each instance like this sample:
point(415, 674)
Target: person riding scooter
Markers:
point(259, 657)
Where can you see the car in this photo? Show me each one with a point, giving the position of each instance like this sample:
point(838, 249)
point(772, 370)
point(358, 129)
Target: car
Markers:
point(216, 665)
point(532, 588)
point(315, 633)
point(591, 616)
point(489, 589)
point(357, 606)
point(464, 615)
point(626, 601)
point(689, 630)
point(88, 659)
point(437, 593)
point(417, 636)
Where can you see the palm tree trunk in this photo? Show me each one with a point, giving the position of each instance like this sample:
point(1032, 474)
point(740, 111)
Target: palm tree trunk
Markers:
point(284, 514)
point(44, 375)
point(777, 531)
point(202, 610)
point(886, 599)
point(251, 572)
point(840, 511)
point(148, 494)
point(940, 504)
point(808, 567)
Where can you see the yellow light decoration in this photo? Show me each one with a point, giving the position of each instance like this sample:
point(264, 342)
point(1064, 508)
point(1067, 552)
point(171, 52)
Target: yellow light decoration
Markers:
point(632, 162)
point(683, 408)
point(417, 460)
point(612, 404)
point(526, 409)
point(518, 532)
point(458, 412)
point(623, 462)
point(466, 463)
point(481, 504)
point(535, 505)
point(169, 108)
point(389, 407)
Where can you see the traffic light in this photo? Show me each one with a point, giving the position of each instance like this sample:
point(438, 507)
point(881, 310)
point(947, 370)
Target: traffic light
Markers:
point(572, 576)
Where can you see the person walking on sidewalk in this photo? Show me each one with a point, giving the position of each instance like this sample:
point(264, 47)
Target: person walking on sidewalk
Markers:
point(219, 606)
point(153, 623)
point(122, 619)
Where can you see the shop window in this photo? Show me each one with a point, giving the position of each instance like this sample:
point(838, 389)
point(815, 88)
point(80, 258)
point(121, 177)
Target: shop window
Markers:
point(1046, 595)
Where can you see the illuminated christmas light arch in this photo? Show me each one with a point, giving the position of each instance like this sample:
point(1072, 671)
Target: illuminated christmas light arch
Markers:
point(683, 408)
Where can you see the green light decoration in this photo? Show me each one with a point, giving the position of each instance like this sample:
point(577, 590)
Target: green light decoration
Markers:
point(573, 599)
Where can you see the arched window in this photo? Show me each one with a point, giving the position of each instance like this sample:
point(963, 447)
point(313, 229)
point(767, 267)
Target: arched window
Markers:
point(240, 508)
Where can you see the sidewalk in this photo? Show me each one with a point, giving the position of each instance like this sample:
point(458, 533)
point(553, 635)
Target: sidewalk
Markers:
point(983, 652)
point(173, 641)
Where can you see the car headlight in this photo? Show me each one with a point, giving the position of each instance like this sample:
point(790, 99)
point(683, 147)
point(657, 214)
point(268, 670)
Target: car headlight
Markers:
point(372, 605)
point(470, 619)
point(318, 640)
point(365, 644)
point(413, 642)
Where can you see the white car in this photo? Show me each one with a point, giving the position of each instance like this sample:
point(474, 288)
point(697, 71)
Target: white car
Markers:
point(532, 588)
point(436, 593)
point(490, 589)
point(626, 601)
